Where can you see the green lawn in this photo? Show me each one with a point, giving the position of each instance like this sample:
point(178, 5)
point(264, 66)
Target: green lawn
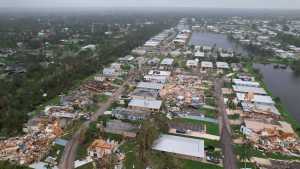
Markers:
point(257, 153)
point(129, 148)
point(103, 98)
point(208, 112)
point(211, 128)
point(189, 164)
point(234, 116)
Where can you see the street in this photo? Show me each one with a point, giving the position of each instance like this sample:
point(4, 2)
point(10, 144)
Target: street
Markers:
point(230, 161)
point(68, 157)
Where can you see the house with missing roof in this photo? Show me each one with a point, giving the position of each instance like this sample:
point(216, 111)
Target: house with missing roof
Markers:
point(100, 148)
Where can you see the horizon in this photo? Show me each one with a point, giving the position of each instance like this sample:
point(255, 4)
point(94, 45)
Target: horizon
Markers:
point(201, 4)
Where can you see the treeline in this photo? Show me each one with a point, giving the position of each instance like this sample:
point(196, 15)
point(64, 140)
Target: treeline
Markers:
point(23, 93)
point(286, 39)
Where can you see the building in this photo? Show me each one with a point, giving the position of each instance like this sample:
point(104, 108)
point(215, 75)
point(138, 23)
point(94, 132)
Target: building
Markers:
point(150, 85)
point(126, 59)
point(240, 82)
point(100, 148)
point(199, 54)
point(206, 65)
point(109, 72)
point(246, 89)
point(192, 63)
point(142, 93)
point(256, 99)
point(222, 65)
point(156, 78)
point(127, 114)
point(189, 147)
point(146, 105)
point(167, 63)
point(159, 73)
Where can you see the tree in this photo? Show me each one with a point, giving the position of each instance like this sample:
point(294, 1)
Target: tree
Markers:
point(246, 153)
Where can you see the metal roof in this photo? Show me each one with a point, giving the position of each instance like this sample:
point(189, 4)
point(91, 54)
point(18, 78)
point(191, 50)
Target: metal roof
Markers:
point(247, 89)
point(167, 61)
point(150, 85)
point(151, 104)
point(180, 145)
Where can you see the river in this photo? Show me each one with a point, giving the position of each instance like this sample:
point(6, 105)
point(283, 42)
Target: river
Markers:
point(283, 84)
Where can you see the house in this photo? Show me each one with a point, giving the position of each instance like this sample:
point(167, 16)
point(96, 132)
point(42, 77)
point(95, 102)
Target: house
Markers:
point(35, 124)
point(222, 65)
point(142, 93)
point(192, 63)
point(150, 85)
point(60, 111)
point(246, 89)
point(159, 73)
point(183, 146)
point(127, 114)
point(147, 105)
point(256, 99)
point(206, 65)
point(126, 59)
point(156, 78)
point(167, 63)
point(109, 72)
point(199, 54)
point(116, 66)
point(100, 148)
point(240, 82)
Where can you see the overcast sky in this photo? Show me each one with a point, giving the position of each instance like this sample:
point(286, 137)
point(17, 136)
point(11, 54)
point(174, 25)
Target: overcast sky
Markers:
point(271, 4)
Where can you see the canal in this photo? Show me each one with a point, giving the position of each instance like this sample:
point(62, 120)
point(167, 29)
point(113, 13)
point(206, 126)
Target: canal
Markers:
point(283, 84)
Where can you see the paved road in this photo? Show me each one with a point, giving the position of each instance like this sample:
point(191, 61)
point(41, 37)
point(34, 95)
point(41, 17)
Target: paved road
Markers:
point(68, 157)
point(230, 161)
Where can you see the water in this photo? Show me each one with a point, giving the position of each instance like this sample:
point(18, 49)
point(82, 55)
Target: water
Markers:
point(210, 39)
point(283, 84)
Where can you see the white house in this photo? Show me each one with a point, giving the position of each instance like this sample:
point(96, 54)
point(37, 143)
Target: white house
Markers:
point(192, 63)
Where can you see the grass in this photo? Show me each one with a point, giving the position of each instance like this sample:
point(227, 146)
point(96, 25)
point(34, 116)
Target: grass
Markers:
point(103, 98)
point(257, 153)
point(86, 166)
point(129, 149)
point(211, 128)
point(248, 165)
point(210, 101)
point(234, 116)
point(56, 151)
point(208, 112)
point(189, 164)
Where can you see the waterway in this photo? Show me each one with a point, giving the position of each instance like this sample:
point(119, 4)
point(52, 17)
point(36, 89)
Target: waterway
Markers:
point(283, 83)
point(211, 39)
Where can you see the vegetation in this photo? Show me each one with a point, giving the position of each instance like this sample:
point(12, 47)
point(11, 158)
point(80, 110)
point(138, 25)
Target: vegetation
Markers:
point(189, 164)
point(212, 128)
point(8, 165)
point(22, 93)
